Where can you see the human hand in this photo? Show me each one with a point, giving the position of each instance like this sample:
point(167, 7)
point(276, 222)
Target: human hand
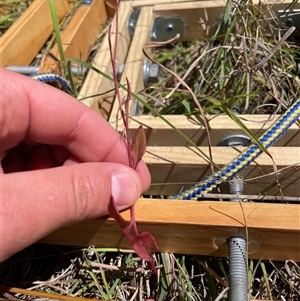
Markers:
point(60, 161)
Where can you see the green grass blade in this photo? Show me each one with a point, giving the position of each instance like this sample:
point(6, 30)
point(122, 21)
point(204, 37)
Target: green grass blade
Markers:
point(154, 112)
point(57, 33)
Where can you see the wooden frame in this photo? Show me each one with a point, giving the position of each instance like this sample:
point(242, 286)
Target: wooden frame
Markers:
point(80, 35)
point(35, 24)
point(95, 83)
point(178, 226)
point(28, 34)
point(162, 157)
point(192, 227)
point(198, 228)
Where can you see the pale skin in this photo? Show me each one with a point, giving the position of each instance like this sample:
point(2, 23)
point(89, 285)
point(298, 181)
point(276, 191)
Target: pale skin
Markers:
point(60, 163)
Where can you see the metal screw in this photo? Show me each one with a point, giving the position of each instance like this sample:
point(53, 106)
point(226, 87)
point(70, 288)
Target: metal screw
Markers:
point(238, 281)
point(236, 186)
point(170, 27)
point(237, 250)
point(29, 70)
point(151, 72)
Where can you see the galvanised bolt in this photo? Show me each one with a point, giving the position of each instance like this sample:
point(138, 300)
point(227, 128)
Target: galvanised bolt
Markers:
point(236, 187)
point(238, 276)
point(29, 70)
point(151, 72)
point(237, 250)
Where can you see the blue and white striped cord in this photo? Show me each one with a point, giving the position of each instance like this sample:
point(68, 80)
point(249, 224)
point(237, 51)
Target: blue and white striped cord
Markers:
point(49, 77)
point(245, 158)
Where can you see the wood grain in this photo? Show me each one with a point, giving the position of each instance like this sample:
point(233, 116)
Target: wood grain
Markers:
point(79, 36)
point(161, 134)
point(141, 3)
point(94, 82)
point(190, 227)
point(133, 70)
point(24, 39)
point(202, 228)
point(174, 168)
point(194, 12)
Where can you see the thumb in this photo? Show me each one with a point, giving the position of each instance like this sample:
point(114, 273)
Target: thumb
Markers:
point(35, 203)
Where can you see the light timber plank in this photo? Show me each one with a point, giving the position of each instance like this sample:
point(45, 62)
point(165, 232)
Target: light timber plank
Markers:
point(24, 39)
point(191, 227)
point(79, 36)
point(134, 63)
point(173, 168)
point(97, 84)
point(160, 134)
point(194, 12)
point(141, 3)
point(168, 169)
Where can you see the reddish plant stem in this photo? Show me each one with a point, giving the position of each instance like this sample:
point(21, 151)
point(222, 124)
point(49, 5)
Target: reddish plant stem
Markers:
point(113, 57)
point(133, 223)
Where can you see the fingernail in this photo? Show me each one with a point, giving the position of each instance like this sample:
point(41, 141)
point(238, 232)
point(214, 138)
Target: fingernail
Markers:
point(124, 187)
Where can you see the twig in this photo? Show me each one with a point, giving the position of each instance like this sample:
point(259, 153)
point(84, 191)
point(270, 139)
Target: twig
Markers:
point(277, 46)
point(155, 44)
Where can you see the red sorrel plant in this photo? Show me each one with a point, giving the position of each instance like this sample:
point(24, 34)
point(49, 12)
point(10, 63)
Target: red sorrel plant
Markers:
point(143, 243)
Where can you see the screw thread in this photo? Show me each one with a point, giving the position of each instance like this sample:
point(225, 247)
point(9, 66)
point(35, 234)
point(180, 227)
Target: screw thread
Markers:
point(236, 186)
point(238, 281)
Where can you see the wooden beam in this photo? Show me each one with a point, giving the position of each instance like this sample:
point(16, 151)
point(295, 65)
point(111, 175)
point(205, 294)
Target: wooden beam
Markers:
point(174, 168)
point(161, 134)
point(133, 69)
point(97, 84)
point(79, 36)
point(141, 3)
point(171, 170)
point(202, 228)
point(192, 13)
point(24, 39)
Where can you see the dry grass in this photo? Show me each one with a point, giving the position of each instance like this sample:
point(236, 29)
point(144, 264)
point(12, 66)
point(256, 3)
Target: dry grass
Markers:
point(104, 274)
point(249, 65)
point(10, 11)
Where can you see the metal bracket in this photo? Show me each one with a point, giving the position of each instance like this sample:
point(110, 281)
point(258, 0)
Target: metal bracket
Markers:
point(134, 15)
point(164, 29)
point(287, 17)
point(290, 18)
point(235, 140)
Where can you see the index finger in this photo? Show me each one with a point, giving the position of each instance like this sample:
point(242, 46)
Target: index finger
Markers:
point(36, 112)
